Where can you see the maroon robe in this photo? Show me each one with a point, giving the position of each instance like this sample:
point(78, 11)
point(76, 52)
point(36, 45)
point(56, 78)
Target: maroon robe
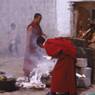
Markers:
point(63, 74)
point(36, 27)
point(31, 48)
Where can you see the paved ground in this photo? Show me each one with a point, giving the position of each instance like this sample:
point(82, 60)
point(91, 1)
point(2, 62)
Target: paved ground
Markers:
point(14, 65)
point(25, 92)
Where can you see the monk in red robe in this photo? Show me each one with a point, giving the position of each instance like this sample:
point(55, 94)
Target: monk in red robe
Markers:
point(63, 74)
point(31, 51)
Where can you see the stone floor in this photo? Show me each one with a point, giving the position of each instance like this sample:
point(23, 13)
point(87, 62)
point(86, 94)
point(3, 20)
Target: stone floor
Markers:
point(14, 65)
point(87, 91)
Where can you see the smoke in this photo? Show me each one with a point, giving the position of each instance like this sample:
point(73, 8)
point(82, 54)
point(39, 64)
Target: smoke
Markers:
point(44, 65)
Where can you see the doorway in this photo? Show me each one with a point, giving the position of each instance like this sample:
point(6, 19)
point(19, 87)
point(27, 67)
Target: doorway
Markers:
point(83, 15)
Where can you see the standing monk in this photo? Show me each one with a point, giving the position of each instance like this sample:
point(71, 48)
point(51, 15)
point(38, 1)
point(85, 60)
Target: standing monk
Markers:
point(63, 75)
point(32, 52)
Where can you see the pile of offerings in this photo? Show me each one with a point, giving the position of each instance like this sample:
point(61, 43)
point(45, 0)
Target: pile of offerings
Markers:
point(36, 80)
point(7, 81)
point(39, 78)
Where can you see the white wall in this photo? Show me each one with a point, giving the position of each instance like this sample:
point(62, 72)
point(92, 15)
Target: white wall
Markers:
point(21, 12)
point(63, 17)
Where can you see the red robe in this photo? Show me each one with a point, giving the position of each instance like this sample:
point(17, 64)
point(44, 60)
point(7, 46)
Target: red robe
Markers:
point(31, 48)
point(63, 74)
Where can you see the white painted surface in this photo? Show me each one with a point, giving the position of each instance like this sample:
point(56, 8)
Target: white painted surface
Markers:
point(63, 17)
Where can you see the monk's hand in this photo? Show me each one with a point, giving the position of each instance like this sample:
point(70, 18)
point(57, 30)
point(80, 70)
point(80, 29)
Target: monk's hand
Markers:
point(48, 57)
point(44, 35)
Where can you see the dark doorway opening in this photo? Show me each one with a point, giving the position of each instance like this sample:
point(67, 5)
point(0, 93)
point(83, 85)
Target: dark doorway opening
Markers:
point(83, 15)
